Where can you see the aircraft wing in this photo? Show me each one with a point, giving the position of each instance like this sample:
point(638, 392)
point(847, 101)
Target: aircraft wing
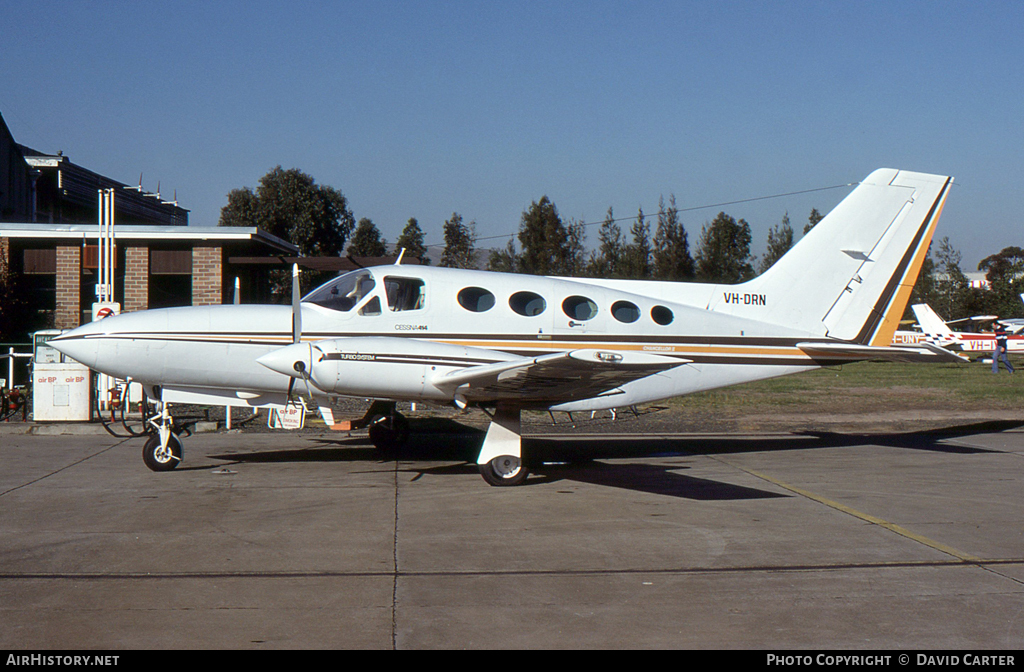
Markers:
point(558, 377)
point(920, 352)
point(1014, 326)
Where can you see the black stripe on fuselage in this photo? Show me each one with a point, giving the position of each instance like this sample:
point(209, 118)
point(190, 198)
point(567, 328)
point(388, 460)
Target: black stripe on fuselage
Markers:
point(543, 347)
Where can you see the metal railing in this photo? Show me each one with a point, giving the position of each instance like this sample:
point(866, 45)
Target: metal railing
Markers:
point(10, 353)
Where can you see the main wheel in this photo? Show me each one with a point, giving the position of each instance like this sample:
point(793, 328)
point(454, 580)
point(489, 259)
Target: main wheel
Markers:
point(504, 470)
point(389, 433)
point(160, 459)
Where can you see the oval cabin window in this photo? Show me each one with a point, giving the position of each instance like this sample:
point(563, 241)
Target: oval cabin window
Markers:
point(476, 299)
point(527, 303)
point(624, 311)
point(579, 308)
point(662, 315)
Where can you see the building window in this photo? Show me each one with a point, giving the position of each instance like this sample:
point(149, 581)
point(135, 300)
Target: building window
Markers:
point(170, 262)
point(40, 261)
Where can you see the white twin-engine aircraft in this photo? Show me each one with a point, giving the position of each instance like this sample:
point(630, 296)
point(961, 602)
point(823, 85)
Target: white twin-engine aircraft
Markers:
point(507, 342)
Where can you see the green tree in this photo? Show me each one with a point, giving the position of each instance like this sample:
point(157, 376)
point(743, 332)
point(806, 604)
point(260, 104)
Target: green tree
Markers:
point(459, 243)
point(812, 220)
point(780, 239)
point(637, 255)
point(606, 261)
point(723, 253)
point(505, 260)
point(672, 259)
point(951, 294)
point(366, 241)
point(576, 250)
point(411, 239)
point(290, 205)
point(544, 239)
point(1005, 274)
point(925, 289)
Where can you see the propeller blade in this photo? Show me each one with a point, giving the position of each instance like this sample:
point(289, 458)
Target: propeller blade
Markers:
point(296, 306)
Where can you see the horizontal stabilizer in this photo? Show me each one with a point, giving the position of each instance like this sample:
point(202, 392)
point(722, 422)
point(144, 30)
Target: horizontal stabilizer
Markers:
point(921, 352)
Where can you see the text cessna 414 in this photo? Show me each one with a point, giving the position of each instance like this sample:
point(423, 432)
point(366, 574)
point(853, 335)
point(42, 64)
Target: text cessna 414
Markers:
point(507, 342)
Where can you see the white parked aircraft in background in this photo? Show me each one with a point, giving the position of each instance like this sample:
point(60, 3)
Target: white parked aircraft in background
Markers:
point(937, 329)
point(1014, 325)
point(506, 342)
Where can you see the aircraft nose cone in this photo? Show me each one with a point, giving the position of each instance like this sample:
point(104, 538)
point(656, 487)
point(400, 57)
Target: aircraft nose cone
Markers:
point(76, 345)
point(292, 360)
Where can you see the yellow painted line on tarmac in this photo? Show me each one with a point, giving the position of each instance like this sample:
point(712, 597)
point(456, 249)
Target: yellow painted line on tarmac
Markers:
point(892, 527)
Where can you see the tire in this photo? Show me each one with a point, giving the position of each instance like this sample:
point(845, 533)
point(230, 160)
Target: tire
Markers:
point(389, 434)
point(158, 460)
point(504, 471)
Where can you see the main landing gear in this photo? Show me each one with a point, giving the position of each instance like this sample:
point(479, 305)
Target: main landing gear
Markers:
point(388, 429)
point(501, 455)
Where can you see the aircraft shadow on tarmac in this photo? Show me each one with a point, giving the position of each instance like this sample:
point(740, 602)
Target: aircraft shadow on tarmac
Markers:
point(576, 458)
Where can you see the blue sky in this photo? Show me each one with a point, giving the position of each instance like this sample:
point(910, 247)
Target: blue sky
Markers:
point(420, 109)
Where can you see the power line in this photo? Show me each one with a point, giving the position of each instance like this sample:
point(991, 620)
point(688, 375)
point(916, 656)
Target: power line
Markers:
point(696, 207)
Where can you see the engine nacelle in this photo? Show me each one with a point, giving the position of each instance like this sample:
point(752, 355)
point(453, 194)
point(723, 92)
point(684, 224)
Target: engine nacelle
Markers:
point(396, 368)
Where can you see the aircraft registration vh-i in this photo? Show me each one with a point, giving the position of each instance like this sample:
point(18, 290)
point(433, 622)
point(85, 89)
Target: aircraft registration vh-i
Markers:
point(508, 342)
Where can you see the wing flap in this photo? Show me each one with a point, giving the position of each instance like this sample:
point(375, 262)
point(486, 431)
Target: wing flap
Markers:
point(558, 377)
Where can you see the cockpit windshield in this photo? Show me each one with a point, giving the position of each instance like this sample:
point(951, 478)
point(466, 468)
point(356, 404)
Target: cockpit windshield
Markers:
point(344, 292)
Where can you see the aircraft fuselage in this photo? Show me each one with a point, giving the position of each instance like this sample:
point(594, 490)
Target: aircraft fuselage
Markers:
point(394, 347)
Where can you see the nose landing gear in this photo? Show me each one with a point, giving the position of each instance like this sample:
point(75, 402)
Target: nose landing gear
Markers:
point(162, 451)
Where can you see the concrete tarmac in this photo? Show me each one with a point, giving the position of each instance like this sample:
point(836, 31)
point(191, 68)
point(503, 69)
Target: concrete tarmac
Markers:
point(303, 541)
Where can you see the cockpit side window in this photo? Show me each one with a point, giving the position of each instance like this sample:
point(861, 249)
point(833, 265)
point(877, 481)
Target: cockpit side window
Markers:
point(404, 293)
point(372, 307)
point(344, 292)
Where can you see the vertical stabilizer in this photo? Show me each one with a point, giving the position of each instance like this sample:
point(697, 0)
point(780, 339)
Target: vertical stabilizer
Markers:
point(851, 276)
point(929, 321)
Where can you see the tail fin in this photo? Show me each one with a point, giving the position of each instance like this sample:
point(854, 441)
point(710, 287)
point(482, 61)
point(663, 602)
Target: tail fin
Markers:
point(929, 321)
point(851, 276)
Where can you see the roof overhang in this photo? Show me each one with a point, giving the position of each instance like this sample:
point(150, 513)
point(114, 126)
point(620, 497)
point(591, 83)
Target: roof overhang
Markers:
point(140, 232)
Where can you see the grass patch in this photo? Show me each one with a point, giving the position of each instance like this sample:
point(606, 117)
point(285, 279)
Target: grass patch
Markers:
point(872, 387)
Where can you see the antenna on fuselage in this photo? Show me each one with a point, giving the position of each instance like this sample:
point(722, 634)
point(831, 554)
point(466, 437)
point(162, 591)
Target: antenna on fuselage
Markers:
point(398, 262)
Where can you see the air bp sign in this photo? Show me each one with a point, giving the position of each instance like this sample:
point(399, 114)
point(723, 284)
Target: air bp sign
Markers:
point(292, 416)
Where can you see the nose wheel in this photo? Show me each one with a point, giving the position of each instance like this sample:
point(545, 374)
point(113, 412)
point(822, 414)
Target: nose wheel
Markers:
point(162, 451)
point(159, 457)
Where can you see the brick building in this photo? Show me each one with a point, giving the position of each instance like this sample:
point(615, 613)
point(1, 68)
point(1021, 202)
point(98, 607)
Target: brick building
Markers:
point(154, 267)
point(49, 234)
